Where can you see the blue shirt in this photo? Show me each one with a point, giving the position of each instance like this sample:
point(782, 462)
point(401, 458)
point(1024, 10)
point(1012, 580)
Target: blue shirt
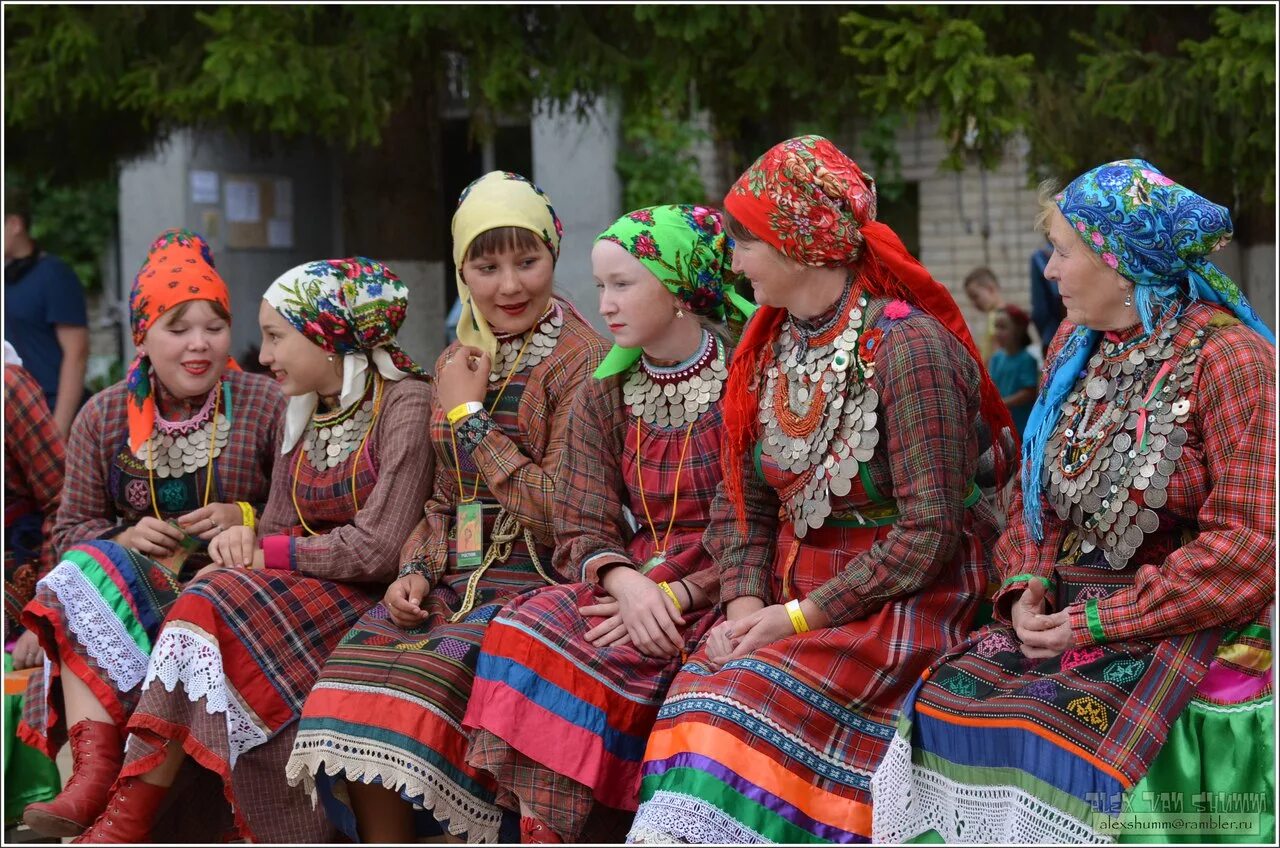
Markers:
point(46, 295)
point(1011, 373)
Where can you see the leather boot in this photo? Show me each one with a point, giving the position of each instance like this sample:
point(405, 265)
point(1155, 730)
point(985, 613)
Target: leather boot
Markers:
point(534, 832)
point(97, 751)
point(128, 816)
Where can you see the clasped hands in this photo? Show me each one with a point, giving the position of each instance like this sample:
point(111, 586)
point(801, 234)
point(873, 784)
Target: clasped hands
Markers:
point(1042, 635)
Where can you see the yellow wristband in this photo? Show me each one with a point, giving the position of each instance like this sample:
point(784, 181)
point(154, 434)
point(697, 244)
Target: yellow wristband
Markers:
point(666, 587)
point(798, 621)
point(246, 514)
point(462, 410)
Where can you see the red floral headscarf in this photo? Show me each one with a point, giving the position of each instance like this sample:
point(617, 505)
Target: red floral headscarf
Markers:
point(178, 269)
point(811, 202)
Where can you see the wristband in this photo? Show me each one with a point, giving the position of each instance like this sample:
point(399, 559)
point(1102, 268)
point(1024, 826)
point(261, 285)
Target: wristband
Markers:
point(462, 410)
point(798, 621)
point(666, 587)
point(246, 514)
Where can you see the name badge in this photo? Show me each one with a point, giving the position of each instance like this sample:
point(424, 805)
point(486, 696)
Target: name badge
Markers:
point(470, 534)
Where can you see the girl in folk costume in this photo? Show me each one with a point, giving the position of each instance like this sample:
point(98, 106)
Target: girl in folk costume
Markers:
point(570, 678)
point(157, 465)
point(850, 536)
point(382, 730)
point(242, 646)
point(1129, 668)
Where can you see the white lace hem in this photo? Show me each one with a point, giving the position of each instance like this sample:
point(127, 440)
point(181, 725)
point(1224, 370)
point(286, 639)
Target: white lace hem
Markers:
point(674, 818)
point(184, 655)
point(908, 800)
point(364, 761)
point(96, 627)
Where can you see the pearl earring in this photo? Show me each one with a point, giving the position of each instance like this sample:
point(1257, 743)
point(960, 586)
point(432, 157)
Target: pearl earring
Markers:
point(1128, 298)
point(331, 357)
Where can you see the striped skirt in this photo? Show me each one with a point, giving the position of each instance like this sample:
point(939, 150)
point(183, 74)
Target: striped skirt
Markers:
point(97, 613)
point(388, 708)
point(560, 722)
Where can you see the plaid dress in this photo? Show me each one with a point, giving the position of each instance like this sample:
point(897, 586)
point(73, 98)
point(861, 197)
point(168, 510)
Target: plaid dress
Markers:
point(240, 649)
point(780, 745)
point(996, 747)
point(98, 611)
point(33, 461)
point(559, 722)
point(388, 704)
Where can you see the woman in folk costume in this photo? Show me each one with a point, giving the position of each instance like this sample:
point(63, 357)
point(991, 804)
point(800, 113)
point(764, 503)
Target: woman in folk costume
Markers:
point(242, 646)
point(156, 466)
point(850, 536)
point(381, 733)
point(1129, 669)
point(570, 678)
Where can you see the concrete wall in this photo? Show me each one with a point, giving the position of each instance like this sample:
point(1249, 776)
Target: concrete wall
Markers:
point(573, 162)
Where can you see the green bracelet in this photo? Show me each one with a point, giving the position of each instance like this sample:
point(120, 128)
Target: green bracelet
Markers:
point(1094, 621)
point(1048, 584)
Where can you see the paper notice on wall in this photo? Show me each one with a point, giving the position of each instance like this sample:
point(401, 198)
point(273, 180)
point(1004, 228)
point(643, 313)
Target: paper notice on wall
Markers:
point(243, 203)
point(204, 186)
point(283, 206)
point(280, 232)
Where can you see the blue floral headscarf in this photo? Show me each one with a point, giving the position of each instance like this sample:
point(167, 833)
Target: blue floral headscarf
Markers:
point(1158, 235)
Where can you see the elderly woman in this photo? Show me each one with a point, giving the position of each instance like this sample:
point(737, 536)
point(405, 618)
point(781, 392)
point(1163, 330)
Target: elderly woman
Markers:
point(570, 678)
point(157, 465)
point(849, 534)
point(242, 646)
point(383, 727)
point(1129, 668)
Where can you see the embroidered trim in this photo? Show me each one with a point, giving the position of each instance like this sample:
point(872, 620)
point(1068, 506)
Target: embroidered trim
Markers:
point(182, 655)
point(365, 761)
point(674, 818)
point(96, 626)
point(907, 801)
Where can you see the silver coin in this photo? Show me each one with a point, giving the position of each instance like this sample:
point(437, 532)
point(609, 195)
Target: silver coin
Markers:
point(1173, 451)
point(1137, 357)
point(1122, 442)
point(174, 452)
point(1097, 388)
point(1178, 437)
point(1133, 537)
point(333, 450)
point(1147, 521)
point(1156, 497)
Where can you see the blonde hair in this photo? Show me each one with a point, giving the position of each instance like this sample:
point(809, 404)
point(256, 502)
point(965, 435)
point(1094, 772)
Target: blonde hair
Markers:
point(1045, 193)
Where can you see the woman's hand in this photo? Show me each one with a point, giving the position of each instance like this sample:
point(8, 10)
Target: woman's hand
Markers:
point(151, 537)
point(210, 520)
point(404, 598)
point(27, 652)
point(650, 617)
point(236, 546)
point(463, 377)
point(720, 644)
point(611, 631)
point(760, 628)
point(1042, 636)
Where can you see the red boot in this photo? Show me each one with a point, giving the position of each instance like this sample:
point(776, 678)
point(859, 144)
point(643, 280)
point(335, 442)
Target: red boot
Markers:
point(128, 816)
point(534, 832)
point(97, 751)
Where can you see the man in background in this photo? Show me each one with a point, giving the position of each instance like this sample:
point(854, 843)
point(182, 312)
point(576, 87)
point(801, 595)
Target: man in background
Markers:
point(1046, 303)
point(45, 317)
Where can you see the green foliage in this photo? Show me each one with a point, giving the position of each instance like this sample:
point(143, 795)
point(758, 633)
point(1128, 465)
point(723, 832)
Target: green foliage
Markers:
point(74, 222)
point(655, 161)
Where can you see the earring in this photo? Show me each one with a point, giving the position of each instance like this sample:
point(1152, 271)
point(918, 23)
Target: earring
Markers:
point(679, 312)
point(1128, 298)
point(330, 357)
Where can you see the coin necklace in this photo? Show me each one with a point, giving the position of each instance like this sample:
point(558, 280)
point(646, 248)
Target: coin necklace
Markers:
point(378, 384)
point(175, 448)
point(208, 479)
point(818, 411)
point(1120, 437)
point(673, 396)
point(526, 348)
point(331, 437)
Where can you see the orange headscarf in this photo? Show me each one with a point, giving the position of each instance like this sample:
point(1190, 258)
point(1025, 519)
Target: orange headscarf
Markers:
point(178, 269)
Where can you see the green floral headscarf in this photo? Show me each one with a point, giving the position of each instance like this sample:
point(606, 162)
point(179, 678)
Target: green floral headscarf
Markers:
point(687, 249)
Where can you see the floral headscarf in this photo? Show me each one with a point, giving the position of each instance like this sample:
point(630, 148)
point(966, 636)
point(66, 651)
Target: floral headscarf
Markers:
point(688, 250)
point(178, 269)
point(498, 199)
point(1155, 233)
point(352, 308)
point(813, 203)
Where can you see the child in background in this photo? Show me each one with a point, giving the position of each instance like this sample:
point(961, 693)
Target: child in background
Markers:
point(983, 290)
point(1013, 368)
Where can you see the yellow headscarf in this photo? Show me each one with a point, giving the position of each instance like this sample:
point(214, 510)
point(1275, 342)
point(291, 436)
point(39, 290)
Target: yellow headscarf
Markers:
point(498, 199)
